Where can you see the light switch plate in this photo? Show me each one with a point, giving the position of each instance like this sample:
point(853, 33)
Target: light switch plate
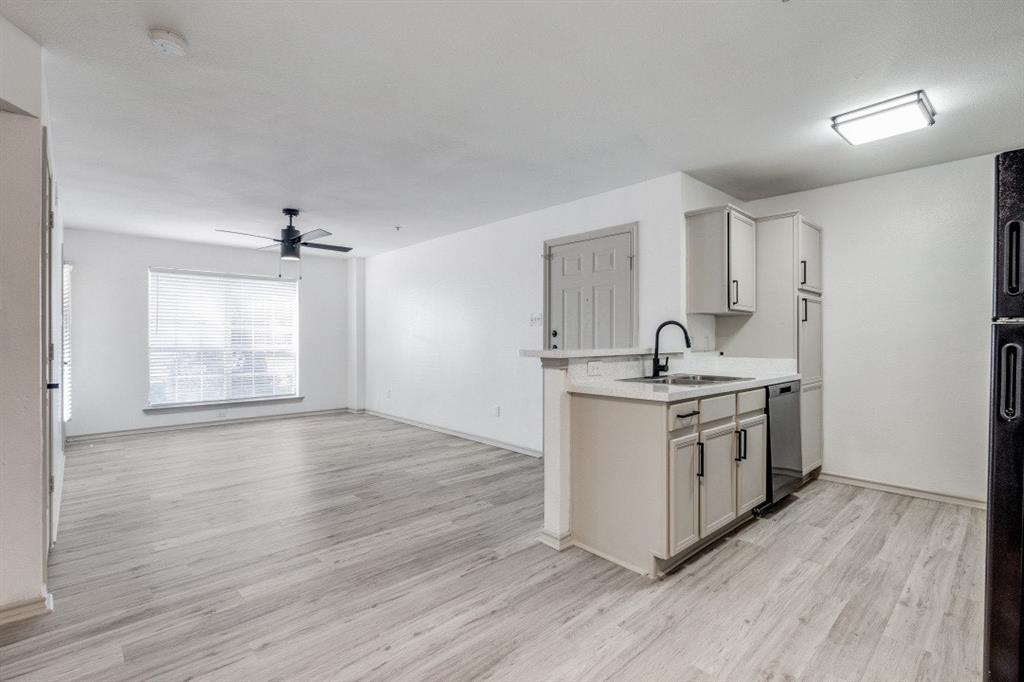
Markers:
point(537, 320)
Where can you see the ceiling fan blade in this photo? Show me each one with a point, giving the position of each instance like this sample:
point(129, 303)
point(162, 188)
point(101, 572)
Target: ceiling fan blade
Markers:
point(314, 234)
point(258, 236)
point(327, 247)
point(268, 246)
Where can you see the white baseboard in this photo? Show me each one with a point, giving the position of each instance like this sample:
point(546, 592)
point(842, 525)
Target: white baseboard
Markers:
point(555, 542)
point(30, 608)
point(458, 434)
point(903, 490)
point(86, 437)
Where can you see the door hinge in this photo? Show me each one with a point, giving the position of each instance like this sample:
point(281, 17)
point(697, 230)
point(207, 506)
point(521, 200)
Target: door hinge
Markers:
point(51, 351)
point(546, 256)
point(51, 484)
point(631, 261)
point(51, 220)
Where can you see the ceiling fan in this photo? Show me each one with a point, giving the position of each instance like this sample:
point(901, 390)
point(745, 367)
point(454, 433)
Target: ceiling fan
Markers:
point(291, 240)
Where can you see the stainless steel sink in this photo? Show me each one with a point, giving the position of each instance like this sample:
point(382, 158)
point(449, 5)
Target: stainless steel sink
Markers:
point(687, 379)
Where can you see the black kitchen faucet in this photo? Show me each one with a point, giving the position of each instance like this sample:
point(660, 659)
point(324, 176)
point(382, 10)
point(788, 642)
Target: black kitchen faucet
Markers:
point(659, 367)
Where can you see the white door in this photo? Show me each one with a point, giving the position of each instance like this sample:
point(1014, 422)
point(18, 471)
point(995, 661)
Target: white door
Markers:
point(716, 453)
point(751, 481)
point(591, 293)
point(742, 263)
point(683, 499)
point(809, 338)
point(810, 257)
point(811, 434)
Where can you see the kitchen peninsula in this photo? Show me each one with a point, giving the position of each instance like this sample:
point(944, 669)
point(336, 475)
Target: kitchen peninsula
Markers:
point(622, 457)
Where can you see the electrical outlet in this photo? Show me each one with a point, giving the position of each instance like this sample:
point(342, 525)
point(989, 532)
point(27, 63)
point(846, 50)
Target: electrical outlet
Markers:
point(537, 320)
point(594, 368)
point(497, 410)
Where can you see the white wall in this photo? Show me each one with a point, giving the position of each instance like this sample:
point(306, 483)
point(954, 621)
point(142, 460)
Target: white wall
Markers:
point(357, 334)
point(110, 317)
point(907, 282)
point(445, 319)
point(21, 71)
point(22, 469)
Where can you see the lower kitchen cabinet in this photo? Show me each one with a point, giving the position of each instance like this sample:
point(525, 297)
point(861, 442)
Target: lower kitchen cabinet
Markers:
point(811, 426)
point(716, 451)
point(751, 460)
point(684, 494)
point(654, 482)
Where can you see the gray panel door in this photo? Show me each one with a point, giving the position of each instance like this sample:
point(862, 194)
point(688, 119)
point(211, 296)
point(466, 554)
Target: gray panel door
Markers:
point(591, 293)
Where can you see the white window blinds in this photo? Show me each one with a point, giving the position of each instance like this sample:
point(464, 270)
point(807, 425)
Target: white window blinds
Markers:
point(65, 342)
point(215, 337)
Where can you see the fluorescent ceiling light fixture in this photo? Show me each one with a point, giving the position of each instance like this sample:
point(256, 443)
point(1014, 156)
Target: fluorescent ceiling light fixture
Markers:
point(894, 116)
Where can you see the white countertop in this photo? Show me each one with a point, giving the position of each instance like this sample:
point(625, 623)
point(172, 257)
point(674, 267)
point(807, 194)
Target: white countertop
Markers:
point(592, 353)
point(666, 393)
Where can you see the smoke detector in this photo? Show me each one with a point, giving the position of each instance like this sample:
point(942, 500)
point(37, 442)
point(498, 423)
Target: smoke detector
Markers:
point(167, 42)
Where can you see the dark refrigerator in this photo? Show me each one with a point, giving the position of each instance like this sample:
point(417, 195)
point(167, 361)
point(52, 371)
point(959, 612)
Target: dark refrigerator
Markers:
point(1004, 561)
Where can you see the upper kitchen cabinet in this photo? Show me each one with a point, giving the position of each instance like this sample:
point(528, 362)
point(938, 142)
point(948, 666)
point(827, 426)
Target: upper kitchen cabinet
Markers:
point(721, 247)
point(788, 272)
point(809, 257)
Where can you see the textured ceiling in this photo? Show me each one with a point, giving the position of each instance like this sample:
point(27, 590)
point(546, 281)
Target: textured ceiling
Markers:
point(440, 116)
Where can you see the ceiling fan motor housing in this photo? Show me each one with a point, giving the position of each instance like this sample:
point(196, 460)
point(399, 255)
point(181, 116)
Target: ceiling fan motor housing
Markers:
point(290, 243)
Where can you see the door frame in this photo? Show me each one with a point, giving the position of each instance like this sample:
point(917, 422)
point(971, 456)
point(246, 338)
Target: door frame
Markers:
point(633, 230)
point(46, 336)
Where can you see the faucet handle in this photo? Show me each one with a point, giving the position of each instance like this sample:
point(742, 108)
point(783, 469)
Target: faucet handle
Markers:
point(659, 367)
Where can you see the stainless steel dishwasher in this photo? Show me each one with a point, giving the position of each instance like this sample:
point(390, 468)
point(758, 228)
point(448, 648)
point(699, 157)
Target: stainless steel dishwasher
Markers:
point(785, 470)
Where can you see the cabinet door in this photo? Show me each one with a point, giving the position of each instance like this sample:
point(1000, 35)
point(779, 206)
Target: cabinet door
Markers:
point(811, 427)
point(683, 494)
point(751, 480)
point(716, 451)
point(809, 338)
point(810, 257)
point(742, 263)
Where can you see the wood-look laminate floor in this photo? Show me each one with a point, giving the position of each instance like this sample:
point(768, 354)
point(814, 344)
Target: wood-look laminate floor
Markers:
point(353, 547)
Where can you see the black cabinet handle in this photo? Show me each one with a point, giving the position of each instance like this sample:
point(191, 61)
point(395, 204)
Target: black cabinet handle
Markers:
point(700, 460)
point(736, 285)
point(804, 318)
point(739, 446)
point(743, 433)
point(50, 387)
point(1010, 381)
point(687, 415)
point(1012, 259)
point(803, 272)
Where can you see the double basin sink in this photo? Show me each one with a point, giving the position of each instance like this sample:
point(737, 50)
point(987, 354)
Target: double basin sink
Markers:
point(687, 379)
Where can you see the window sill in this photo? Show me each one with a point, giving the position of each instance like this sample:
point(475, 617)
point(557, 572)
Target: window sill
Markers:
point(221, 403)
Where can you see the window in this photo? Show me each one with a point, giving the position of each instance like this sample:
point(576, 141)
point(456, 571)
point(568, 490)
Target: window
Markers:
point(65, 342)
point(221, 338)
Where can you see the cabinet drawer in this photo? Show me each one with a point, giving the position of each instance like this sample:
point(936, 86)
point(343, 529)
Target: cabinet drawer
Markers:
point(750, 401)
point(682, 415)
point(720, 407)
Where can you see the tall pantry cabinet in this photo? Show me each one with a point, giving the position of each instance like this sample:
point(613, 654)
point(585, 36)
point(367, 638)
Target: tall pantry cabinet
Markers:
point(789, 315)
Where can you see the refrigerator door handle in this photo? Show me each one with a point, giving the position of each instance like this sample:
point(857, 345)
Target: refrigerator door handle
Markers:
point(1012, 257)
point(1010, 363)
